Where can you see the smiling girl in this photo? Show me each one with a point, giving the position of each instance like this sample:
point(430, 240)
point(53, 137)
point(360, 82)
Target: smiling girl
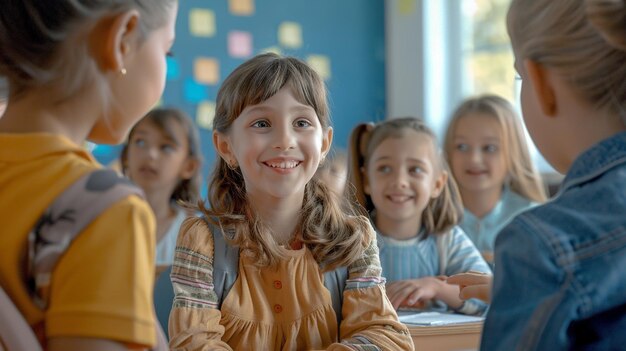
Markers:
point(271, 131)
point(401, 179)
point(490, 161)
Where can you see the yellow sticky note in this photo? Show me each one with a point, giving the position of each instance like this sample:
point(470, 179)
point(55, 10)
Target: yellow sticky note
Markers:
point(206, 70)
point(201, 22)
point(274, 49)
point(290, 35)
point(406, 7)
point(321, 65)
point(241, 7)
point(205, 114)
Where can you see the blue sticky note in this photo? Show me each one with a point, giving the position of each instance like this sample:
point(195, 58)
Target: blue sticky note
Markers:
point(173, 68)
point(195, 92)
point(105, 154)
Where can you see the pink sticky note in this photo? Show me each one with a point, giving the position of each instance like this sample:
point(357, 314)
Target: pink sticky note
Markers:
point(239, 44)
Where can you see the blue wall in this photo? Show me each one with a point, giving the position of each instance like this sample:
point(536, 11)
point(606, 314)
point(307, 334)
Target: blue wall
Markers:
point(349, 32)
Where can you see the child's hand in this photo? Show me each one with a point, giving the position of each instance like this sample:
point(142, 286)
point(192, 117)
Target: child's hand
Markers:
point(413, 292)
point(473, 285)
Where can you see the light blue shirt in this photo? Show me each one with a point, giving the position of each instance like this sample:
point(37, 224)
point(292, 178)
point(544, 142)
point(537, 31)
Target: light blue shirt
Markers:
point(432, 255)
point(165, 248)
point(483, 231)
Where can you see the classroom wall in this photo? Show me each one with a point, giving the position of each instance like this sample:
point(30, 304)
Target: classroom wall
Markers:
point(344, 40)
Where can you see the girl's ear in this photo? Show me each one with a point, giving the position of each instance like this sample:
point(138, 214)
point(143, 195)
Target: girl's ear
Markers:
point(111, 40)
point(222, 145)
point(440, 184)
point(189, 168)
point(327, 141)
point(542, 86)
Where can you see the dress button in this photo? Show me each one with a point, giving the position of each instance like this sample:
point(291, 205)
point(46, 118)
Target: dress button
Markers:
point(278, 308)
point(278, 284)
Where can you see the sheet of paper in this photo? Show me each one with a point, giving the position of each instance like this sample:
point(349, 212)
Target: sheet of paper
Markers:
point(406, 7)
point(206, 70)
point(241, 7)
point(201, 22)
point(321, 65)
point(194, 92)
point(290, 35)
point(205, 114)
point(239, 44)
point(436, 318)
point(173, 68)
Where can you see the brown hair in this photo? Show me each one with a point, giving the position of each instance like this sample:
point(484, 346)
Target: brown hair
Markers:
point(331, 229)
point(443, 212)
point(39, 40)
point(523, 176)
point(187, 190)
point(585, 40)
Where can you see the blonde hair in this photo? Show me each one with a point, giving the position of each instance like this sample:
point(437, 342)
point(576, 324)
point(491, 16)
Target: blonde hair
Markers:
point(523, 177)
point(585, 40)
point(443, 212)
point(331, 229)
point(44, 43)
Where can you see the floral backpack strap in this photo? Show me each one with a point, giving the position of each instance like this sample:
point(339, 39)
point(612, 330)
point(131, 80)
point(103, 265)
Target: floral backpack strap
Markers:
point(74, 209)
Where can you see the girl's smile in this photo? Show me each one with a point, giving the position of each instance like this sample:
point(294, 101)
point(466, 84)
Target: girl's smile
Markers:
point(278, 145)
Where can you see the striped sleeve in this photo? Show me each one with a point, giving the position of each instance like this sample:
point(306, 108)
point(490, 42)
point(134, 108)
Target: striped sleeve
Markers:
point(194, 319)
point(192, 270)
point(463, 256)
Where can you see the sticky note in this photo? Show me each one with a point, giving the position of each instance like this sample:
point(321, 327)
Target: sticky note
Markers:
point(239, 44)
point(321, 65)
point(201, 22)
point(173, 68)
point(406, 7)
point(206, 70)
point(274, 49)
point(205, 114)
point(290, 35)
point(194, 92)
point(241, 7)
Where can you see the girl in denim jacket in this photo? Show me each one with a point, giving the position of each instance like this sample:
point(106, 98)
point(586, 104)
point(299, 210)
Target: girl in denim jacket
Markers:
point(559, 282)
point(402, 180)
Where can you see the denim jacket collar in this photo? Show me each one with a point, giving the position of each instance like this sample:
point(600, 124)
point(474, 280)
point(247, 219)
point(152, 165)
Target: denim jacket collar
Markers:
point(596, 161)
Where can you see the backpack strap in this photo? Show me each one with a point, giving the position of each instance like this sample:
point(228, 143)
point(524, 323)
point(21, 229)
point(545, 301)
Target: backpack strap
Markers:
point(226, 270)
point(335, 282)
point(225, 264)
point(72, 210)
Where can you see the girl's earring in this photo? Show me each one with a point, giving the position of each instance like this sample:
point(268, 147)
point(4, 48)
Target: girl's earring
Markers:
point(232, 165)
point(123, 71)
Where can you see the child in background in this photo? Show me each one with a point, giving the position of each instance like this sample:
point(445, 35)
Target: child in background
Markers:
point(271, 131)
point(490, 161)
point(77, 71)
point(402, 181)
point(334, 171)
point(559, 282)
point(162, 155)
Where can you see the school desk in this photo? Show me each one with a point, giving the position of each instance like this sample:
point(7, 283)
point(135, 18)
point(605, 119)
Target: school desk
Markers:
point(446, 338)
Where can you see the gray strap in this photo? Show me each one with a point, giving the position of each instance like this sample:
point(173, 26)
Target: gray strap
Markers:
point(335, 282)
point(225, 264)
point(74, 209)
